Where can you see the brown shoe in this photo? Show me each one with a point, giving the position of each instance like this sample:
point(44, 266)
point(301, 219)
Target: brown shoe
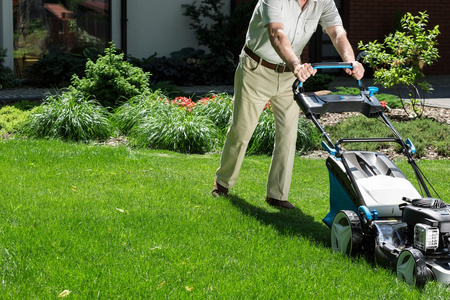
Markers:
point(279, 203)
point(219, 190)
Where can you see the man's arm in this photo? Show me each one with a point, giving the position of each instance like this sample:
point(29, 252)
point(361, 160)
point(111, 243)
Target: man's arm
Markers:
point(283, 47)
point(338, 36)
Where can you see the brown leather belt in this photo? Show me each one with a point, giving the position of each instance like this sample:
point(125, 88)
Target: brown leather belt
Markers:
point(279, 68)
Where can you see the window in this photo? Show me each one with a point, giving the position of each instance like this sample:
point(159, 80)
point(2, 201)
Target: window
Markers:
point(43, 26)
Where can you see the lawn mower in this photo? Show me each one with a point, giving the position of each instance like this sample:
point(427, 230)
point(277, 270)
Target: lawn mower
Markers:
point(374, 208)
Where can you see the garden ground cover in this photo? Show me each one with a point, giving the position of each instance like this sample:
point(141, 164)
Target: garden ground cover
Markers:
point(113, 222)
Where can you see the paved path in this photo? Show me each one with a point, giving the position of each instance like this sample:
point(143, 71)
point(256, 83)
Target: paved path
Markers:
point(440, 97)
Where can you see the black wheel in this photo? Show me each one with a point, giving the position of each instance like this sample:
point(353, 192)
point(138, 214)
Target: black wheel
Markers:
point(346, 233)
point(411, 267)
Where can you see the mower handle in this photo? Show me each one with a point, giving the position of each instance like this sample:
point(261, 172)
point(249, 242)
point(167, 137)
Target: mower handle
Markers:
point(326, 65)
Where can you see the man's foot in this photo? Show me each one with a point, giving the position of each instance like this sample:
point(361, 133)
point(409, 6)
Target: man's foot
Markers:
point(219, 190)
point(279, 203)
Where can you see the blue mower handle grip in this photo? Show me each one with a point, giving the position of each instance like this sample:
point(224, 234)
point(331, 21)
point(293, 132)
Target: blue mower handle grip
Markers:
point(325, 65)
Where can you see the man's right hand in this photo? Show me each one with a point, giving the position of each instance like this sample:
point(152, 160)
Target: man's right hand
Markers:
point(304, 71)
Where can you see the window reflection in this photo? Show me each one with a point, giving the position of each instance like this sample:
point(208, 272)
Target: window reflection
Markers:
point(43, 26)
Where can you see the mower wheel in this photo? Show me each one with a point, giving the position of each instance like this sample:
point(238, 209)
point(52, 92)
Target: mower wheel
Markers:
point(346, 233)
point(411, 267)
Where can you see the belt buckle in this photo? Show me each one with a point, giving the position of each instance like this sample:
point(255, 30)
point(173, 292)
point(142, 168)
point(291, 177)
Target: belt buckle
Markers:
point(280, 65)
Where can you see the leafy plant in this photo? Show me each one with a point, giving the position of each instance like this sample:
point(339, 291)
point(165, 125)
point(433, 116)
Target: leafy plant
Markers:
point(69, 116)
point(400, 59)
point(111, 79)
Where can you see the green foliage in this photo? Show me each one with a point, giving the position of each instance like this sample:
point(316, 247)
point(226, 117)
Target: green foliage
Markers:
point(56, 68)
point(175, 129)
point(69, 116)
point(400, 59)
point(111, 79)
point(7, 79)
point(11, 119)
point(26, 104)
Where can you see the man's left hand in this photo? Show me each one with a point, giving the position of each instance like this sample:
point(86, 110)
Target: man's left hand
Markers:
point(357, 72)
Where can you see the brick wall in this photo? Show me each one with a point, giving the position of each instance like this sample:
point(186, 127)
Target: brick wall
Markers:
point(373, 20)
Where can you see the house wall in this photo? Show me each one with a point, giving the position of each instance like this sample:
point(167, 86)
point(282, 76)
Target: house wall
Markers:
point(372, 20)
point(151, 28)
point(6, 40)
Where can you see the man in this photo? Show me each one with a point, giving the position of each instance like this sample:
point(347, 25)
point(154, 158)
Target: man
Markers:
point(277, 33)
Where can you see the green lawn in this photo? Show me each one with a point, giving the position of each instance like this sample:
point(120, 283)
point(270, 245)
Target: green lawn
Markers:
point(109, 223)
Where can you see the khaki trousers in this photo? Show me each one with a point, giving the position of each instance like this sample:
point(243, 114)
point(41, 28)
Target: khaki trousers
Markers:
point(255, 85)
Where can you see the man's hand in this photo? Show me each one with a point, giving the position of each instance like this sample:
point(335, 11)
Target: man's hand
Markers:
point(304, 71)
point(357, 72)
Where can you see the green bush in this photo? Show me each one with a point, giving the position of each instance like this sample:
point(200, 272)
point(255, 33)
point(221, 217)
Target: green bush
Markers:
point(400, 59)
point(69, 116)
point(11, 119)
point(111, 79)
point(56, 68)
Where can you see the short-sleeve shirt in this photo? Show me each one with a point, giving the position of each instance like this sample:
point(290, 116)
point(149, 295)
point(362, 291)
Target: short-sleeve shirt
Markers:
point(299, 25)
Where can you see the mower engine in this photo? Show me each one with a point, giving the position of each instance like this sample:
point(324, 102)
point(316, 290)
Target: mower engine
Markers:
point(429, 221)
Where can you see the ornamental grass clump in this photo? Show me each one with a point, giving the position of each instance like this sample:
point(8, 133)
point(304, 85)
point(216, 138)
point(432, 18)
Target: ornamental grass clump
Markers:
point(137, 108)
point(176, 129)
point(69, 116)
point(263, 139)
point(218, 108)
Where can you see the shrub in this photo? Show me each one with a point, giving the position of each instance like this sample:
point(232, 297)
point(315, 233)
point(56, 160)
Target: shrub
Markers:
point(56, 68)
point(400, 59)
point(11, 119)
point(189, 67)
point(111, 79)
point(69, 116)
